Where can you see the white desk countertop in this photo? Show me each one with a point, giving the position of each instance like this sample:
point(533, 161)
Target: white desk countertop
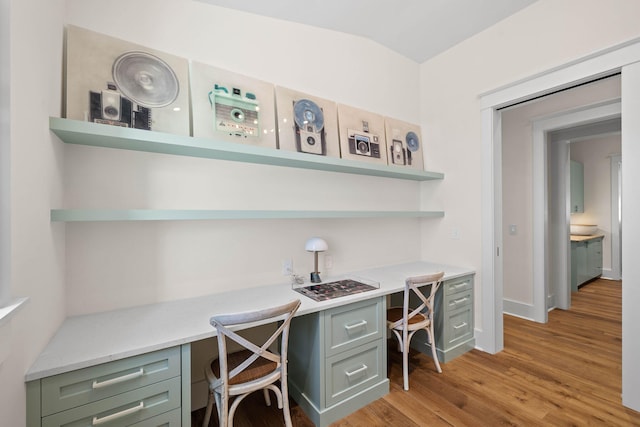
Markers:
point(92, 339)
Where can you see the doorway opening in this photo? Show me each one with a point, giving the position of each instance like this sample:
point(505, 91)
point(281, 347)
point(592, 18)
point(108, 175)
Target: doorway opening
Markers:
point(535, 191)
point(623, 58)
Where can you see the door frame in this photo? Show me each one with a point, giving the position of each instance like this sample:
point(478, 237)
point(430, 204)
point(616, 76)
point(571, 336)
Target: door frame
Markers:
point(600, 64)
point(553, 278)
point(616, 225)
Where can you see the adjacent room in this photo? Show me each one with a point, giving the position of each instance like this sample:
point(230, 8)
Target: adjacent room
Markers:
point(182, 179)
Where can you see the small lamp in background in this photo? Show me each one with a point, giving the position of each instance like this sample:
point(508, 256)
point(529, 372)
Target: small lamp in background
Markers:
point(315, 245)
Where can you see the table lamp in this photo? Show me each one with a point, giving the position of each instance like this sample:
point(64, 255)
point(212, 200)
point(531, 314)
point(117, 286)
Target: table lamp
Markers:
point(315, 245)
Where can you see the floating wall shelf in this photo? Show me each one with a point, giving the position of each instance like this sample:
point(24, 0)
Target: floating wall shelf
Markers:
point(99, 135)
point(87, 215)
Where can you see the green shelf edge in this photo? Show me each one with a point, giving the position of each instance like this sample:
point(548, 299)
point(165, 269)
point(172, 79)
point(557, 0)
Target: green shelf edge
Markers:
point(88, 215)
point(99, 135)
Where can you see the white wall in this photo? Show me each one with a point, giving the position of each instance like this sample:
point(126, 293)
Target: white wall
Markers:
point(5, 153)
point(37, 246)
point(113, 265)
point(517, 186)
point(595, 154)
point(541, 37)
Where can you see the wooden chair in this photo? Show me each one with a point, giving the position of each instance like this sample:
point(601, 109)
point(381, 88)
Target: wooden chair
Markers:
point(406, 321)
point(253, 368)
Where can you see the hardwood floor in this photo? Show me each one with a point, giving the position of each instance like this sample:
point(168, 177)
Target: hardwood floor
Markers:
point(563, 373)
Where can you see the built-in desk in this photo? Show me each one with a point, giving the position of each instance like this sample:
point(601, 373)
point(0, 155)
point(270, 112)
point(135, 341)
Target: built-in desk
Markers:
point(132, 343)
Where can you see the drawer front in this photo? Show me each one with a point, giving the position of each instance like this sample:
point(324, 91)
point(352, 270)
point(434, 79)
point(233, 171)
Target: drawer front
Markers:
point(72, 389)
point(353, 371)
point(458, 326)
point(168, 419)
point(458, 300)
point(352, 325)
point(458, 285)
point(125, 409)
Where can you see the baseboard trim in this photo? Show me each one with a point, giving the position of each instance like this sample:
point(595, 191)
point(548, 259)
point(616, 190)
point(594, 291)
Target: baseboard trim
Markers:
point(518, 309)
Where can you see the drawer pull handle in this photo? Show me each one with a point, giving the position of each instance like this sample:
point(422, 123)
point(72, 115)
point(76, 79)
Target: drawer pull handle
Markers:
point(458, 301)
point(360, 370)
point(97, 421)
point(112, 381)
point(360, 324)
point(460, 326)
point(460, 285)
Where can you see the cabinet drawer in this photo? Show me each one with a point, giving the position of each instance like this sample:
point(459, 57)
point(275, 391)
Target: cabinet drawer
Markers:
point(458, 285)
point(168, 419)
point(458, 300)
point(72, 389)
point(352, 325)
point(124, 409)
point(458, 326)
point(353, 371)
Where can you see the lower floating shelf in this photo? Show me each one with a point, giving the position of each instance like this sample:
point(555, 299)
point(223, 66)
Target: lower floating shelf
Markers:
point(86, 215)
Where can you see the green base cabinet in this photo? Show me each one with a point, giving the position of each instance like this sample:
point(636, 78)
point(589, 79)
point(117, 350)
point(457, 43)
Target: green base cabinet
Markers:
point(594, 258)
point(586, 261)
point(337, 360)
point(453, 323)
point(140, 391)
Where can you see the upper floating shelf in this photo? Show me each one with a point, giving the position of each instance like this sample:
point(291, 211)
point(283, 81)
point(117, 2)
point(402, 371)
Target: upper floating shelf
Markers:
point(99, 135)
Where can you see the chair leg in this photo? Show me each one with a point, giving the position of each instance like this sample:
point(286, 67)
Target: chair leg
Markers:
point(405, 364)
point(267, 399)
point(434, 352)
point(277, 392)
point(207, 414)
point(285, 403)
point(223, 410)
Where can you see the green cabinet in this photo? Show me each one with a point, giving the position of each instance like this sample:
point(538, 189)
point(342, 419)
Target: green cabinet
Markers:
point(594, 258)
point(577, 187)
point(144, 390)
point(337, 359)
point(453, 320)
point(586, 261)
point(578, 263)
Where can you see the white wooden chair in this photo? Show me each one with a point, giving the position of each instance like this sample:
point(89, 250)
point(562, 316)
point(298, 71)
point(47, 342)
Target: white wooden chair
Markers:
point(253, 368)
point(406, 321)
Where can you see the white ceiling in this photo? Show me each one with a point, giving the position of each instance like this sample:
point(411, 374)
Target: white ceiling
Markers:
point(417, 29)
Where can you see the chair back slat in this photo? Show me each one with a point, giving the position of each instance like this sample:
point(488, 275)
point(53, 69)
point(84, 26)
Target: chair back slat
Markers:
point(223, 324)
point(412, 286)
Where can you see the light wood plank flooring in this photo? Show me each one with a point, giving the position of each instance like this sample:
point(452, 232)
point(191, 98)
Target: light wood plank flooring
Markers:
point(563, 373)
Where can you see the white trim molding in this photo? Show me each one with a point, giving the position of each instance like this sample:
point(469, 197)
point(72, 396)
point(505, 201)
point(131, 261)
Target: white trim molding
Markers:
point(519, 309)
point(599, 64)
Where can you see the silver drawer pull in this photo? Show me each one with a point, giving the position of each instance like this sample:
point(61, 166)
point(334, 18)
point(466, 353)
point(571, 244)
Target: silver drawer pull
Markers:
point(112, 381)
point(458, 301)
point(460, 285)
point(97, 421)
point(460, 326)
point(360, 370)
point(360, 324)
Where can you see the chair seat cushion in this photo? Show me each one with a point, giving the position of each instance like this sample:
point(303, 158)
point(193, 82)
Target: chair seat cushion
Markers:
point(259, 368)
point(395, 313)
